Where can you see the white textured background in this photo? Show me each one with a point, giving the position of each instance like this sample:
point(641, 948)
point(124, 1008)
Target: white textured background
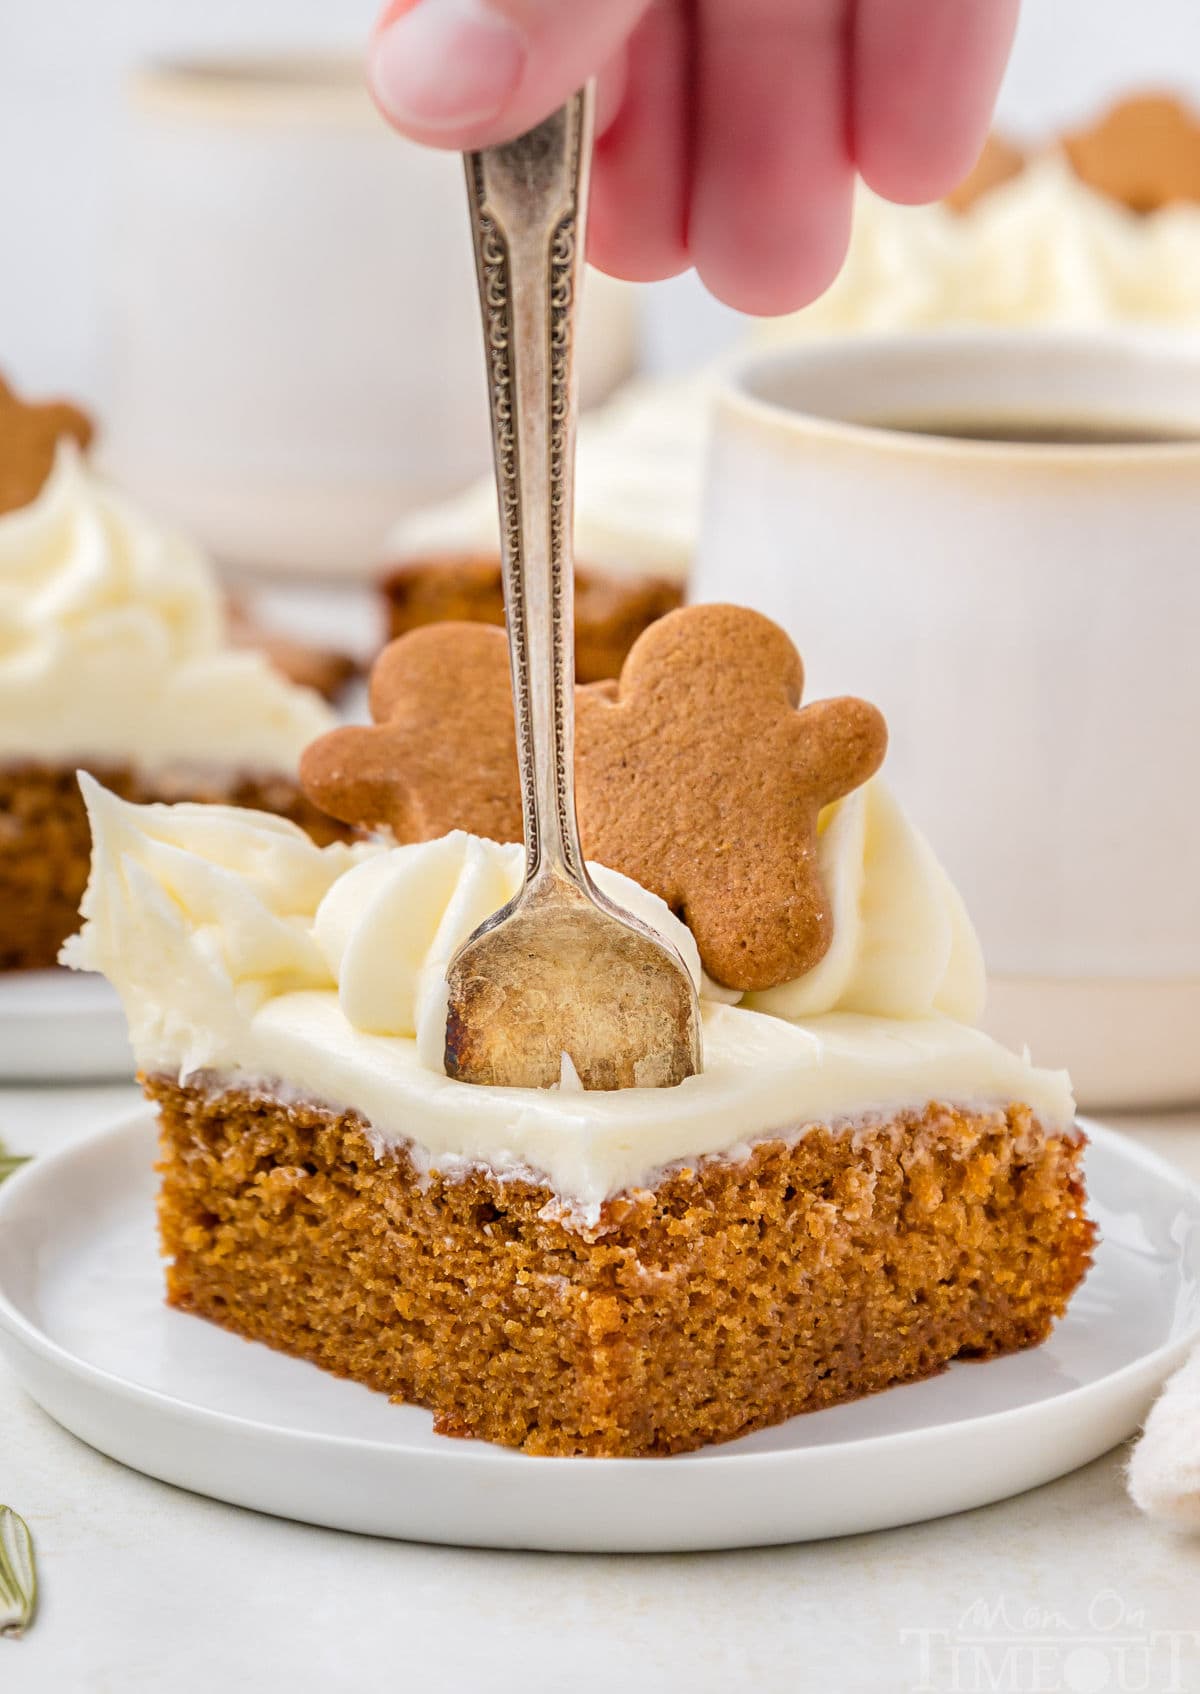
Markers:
point(61, 64)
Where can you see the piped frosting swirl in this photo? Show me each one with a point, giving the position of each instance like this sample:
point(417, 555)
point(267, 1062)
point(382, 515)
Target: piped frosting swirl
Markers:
point(112, 643)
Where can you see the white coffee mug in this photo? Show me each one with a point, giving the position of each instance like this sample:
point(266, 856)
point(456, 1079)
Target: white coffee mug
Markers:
point(1028, 617)
point(293, 326)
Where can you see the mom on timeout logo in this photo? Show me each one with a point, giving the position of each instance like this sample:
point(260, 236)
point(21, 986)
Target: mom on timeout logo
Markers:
point(997, 1647)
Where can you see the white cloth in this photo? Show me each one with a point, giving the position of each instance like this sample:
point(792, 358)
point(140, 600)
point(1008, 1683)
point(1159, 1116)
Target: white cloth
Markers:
point(1164, 1472)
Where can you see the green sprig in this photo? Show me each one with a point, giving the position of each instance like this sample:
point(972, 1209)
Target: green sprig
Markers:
point(18, 1575)
point(9, 1162)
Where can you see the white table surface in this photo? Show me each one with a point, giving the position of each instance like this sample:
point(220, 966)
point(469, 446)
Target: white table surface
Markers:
point(150, 1590)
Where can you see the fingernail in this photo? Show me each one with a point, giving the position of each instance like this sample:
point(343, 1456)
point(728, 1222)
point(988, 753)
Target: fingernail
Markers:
point(446, 63)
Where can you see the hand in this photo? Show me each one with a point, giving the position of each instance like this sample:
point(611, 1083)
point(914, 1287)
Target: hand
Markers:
point(730, 131)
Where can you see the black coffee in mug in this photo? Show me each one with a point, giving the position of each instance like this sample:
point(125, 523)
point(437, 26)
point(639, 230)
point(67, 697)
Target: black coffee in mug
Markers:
point(1042, 431)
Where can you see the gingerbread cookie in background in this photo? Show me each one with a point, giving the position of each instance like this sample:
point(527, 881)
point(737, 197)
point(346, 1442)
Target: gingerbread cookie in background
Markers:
point(29, 435)
point(698, 774)
point(1144, 152)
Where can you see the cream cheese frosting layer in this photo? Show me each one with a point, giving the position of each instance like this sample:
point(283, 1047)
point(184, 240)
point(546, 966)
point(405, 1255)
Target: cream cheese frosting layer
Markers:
point(240, 948)
point(112, 643)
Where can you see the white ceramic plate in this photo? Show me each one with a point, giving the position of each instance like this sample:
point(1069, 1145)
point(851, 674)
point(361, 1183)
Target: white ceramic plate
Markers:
point(59, 1025)
point(83, 1324)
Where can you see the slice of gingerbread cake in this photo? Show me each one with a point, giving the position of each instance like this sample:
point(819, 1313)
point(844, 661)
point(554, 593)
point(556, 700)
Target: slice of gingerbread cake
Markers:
point(859, 1188)
point(611, 609)
point(114, 657)
point(639, 480)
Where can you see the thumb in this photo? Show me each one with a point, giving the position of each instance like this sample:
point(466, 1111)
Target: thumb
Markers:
point(468, 73)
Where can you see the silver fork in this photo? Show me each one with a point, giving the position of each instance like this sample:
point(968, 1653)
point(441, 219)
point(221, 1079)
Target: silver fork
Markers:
point(561, 970)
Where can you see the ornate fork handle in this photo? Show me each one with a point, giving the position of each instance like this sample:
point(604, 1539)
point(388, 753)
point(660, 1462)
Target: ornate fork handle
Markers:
point(559, 971)
point(528, 208)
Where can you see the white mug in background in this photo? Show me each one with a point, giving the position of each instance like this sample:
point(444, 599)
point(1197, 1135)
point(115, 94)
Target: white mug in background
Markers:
point(1027, 614)
point(293, 326)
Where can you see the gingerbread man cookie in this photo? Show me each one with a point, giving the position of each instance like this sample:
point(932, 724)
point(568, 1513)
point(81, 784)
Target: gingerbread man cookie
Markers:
point(29, 434)
point(442, 753)
point(1145, 152)
point(700, 776)
point(698, 773)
